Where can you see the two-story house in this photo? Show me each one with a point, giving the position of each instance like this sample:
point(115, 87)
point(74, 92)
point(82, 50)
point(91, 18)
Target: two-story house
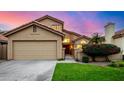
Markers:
point(44, 38)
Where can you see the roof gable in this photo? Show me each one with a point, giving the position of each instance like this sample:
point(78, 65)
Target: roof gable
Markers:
point(31, 24)
point(118, 34)
point(51, 18)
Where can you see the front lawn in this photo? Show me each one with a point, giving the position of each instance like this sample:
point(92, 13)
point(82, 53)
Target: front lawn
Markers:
point(82, 72)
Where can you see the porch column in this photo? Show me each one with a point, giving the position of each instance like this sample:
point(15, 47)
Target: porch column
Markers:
point(63, 53)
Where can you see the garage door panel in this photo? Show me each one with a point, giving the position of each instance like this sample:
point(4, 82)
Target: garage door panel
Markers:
point(35, 50)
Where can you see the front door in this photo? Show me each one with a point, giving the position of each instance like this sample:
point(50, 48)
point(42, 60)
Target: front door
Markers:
point(67, 49)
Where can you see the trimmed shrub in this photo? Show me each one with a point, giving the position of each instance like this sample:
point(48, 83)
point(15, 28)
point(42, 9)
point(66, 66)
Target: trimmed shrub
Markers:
point(100, 50)
point(114, 64)
point(77, 60)
point(61, 59)
point(117, 64)
point(85, 59)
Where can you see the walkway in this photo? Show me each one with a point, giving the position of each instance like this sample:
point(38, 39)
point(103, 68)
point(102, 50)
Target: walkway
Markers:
point(68, 59)
point(100, 63)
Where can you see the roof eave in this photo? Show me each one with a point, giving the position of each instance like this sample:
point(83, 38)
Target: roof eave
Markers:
point(30, 24)
point(50, 17)
point(70, 32)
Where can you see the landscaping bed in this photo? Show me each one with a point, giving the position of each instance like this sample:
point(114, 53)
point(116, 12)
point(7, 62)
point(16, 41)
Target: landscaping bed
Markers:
point(87, 72)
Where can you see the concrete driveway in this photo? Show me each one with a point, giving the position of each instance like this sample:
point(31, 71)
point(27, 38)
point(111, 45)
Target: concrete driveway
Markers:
point(27, 70)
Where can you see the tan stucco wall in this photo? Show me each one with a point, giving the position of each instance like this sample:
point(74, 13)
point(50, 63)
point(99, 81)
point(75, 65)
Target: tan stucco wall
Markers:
point(70, 36)
point(78, 42)
point(77, 52)
point(73, 37)
point(49, 23)
point(109, 32)
point(67, 35)
point(28, 34)
point(119, 42)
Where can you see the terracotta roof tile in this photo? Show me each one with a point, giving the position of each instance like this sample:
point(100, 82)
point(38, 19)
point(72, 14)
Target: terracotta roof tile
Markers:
point(3, 37)
point(30, 24)
point(119, 34)
point(50, 17)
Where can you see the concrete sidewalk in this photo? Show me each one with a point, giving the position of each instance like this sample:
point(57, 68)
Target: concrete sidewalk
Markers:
point(68, 59)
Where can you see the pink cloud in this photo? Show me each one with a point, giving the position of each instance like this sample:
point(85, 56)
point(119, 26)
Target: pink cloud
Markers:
point(77, 23)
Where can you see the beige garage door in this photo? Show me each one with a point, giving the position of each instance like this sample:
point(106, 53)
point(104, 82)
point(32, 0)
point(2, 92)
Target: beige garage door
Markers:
point(34, 50)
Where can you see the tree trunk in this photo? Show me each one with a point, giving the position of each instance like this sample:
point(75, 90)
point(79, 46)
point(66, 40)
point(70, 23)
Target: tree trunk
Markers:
point(107, 59)
point(93, 59)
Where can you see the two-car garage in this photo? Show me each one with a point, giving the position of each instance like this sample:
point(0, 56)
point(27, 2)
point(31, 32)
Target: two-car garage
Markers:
point(42, 44)
point(31, 50)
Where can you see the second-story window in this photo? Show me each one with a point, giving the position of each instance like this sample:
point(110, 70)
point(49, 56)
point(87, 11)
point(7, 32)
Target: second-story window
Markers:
point(56, 27)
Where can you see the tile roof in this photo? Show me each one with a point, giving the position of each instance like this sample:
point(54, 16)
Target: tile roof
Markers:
point(119, 34)
point(50, 17)
point(30, 24)
point(70, 32)
point(3, 37)
point(3, 40)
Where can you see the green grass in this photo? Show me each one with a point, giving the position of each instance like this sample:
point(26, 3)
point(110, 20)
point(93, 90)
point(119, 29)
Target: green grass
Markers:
point(86, 72)
point(117, 64)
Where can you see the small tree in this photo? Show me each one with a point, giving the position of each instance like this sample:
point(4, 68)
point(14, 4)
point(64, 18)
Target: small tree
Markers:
point(95, 48)
point(100, 50)
point(96, 39)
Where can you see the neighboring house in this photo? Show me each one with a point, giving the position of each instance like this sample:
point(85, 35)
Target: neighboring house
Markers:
point(116, 38)
point(43, 38)
point(3, 47)
point(111, 37)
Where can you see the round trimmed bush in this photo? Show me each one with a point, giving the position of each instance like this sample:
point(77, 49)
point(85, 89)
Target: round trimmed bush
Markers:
point(117, 64)
point(99, 50)
point(85, 59)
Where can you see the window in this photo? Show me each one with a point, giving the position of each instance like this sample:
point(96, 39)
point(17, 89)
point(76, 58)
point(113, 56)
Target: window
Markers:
point(34, 29)
point(79, 46)
point(66, 40)
point(56, 27)
point(83, 42)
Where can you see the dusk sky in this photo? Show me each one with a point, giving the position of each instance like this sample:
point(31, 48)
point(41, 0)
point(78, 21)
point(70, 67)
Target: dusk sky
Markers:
point(85, 23)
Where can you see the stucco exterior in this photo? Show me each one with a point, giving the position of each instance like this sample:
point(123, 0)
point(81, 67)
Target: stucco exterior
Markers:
point(48, 29)
point(27, 34)
point(119, 43)
point(109, 34)
point(78, 48)
point(51, 24)
point(80, 41)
